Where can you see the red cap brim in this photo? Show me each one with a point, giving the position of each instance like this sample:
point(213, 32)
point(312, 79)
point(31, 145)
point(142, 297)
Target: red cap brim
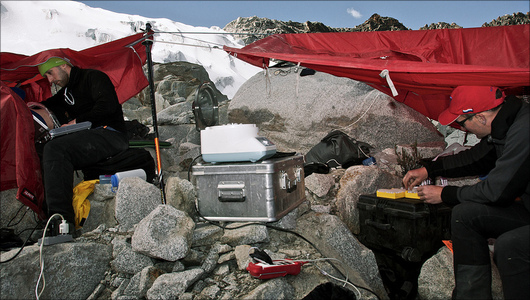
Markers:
point(446, 117)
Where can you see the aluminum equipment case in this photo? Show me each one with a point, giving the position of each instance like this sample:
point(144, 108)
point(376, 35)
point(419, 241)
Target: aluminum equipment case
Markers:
point(263, 191)
point(410, 228)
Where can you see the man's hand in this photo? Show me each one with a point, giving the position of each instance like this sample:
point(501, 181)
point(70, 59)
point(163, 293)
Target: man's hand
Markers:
point(414, 177)
point(431, 194)
point(69, 123)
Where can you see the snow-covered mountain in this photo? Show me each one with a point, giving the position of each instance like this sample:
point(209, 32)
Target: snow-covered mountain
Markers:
point(29, 27)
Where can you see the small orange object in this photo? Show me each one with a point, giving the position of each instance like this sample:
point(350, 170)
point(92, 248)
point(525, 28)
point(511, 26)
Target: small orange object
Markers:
point(449, 244)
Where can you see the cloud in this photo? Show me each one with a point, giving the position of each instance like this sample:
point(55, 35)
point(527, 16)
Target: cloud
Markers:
point(354, 13)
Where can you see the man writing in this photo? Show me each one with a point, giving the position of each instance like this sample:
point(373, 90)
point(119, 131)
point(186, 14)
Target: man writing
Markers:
point(85, 95)
point(497, 207)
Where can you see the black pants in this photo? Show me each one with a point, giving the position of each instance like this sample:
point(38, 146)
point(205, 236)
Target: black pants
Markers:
point(472, 224)
point(71, 152)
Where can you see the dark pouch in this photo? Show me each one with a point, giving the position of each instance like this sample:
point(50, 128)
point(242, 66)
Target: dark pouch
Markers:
point(337, 149)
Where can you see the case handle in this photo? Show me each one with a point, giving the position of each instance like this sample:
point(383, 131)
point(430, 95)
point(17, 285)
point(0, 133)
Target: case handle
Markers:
point(378, 225)
point(231, 191)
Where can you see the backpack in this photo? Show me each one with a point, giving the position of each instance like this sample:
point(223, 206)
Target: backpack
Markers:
point(338, 150)
point(130, 159)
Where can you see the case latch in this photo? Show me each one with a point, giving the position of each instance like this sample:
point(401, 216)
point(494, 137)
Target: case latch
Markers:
point(286, 183)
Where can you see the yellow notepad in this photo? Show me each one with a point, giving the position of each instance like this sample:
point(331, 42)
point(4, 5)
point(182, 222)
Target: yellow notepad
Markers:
point(412, 194)
point(393, 193)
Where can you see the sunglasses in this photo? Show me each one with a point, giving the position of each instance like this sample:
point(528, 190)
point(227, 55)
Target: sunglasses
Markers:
point(463, 122)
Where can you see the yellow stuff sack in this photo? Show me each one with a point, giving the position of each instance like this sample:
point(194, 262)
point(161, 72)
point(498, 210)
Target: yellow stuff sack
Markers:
point(80, 202)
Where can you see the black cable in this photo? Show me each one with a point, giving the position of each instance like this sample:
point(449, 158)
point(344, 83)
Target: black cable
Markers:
point(191, 165)
point(18, 211)
point(24, 230)
point(21, 248)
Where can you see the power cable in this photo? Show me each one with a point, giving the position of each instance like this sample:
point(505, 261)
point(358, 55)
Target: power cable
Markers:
point(41, 260)
point(18, 211)
point(22, 247)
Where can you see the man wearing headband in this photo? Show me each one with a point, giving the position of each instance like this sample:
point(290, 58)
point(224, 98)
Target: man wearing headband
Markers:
point(85, 95)
point(497, 207)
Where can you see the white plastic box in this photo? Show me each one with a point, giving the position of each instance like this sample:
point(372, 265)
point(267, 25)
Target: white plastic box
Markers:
point(235, 143)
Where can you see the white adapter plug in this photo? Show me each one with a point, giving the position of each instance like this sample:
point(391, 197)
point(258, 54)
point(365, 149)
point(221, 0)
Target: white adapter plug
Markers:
point(64, 228)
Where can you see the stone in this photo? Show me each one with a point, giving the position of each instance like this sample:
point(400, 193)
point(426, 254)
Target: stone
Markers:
point(356, 181)
point(289, 110)
point(241, 253)
point(141, 282)
point(226, 257)
point(165, 234)
point(235, 235)
point(276, 288)
point(180, 193)
point(135, 199)
point(172, 285)
point(210, 262)
point(210, 292)
point(205, 234)
point(319, 184)
point(72, 271)
point(126, 260)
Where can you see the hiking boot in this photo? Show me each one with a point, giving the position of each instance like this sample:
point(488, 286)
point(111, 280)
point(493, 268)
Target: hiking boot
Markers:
point(472, 282)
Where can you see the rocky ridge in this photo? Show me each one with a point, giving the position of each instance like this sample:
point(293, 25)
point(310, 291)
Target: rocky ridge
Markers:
point(263, 27)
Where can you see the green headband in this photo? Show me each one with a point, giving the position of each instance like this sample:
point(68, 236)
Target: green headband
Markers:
point(50, 63)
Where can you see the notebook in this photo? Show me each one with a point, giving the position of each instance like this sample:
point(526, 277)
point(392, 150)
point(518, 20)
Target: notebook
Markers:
point(57, 132)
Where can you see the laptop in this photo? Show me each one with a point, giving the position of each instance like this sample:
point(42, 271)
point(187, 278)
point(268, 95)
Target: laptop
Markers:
point(60, 131)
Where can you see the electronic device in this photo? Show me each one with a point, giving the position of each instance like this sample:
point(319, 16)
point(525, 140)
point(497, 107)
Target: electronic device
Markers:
point(64, 130)
point(234, 143)
point(278, 268)
point(263, 267)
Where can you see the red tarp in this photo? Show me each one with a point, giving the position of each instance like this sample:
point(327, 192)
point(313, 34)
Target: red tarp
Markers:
point(121, 60)
point(424, 65)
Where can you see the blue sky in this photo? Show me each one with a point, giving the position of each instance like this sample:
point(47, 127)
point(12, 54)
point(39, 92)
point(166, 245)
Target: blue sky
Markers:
point(412, 14)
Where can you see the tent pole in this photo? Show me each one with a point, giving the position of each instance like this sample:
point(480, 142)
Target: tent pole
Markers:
point(148, 44)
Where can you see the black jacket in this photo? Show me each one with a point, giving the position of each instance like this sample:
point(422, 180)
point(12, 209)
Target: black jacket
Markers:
point(95, 100)
point(504, 155)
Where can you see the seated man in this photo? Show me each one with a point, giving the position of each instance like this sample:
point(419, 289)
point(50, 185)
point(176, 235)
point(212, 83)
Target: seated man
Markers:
point(85, 95)
point(497, 207)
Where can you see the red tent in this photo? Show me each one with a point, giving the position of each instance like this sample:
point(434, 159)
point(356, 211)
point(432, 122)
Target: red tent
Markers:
point(423, 65)
point(121, 60)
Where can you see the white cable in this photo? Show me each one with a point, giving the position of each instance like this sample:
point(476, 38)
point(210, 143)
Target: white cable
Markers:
point(345, 281)
point(358, 119)
point(341, 280)
point(183, 44)
point(41, 261)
